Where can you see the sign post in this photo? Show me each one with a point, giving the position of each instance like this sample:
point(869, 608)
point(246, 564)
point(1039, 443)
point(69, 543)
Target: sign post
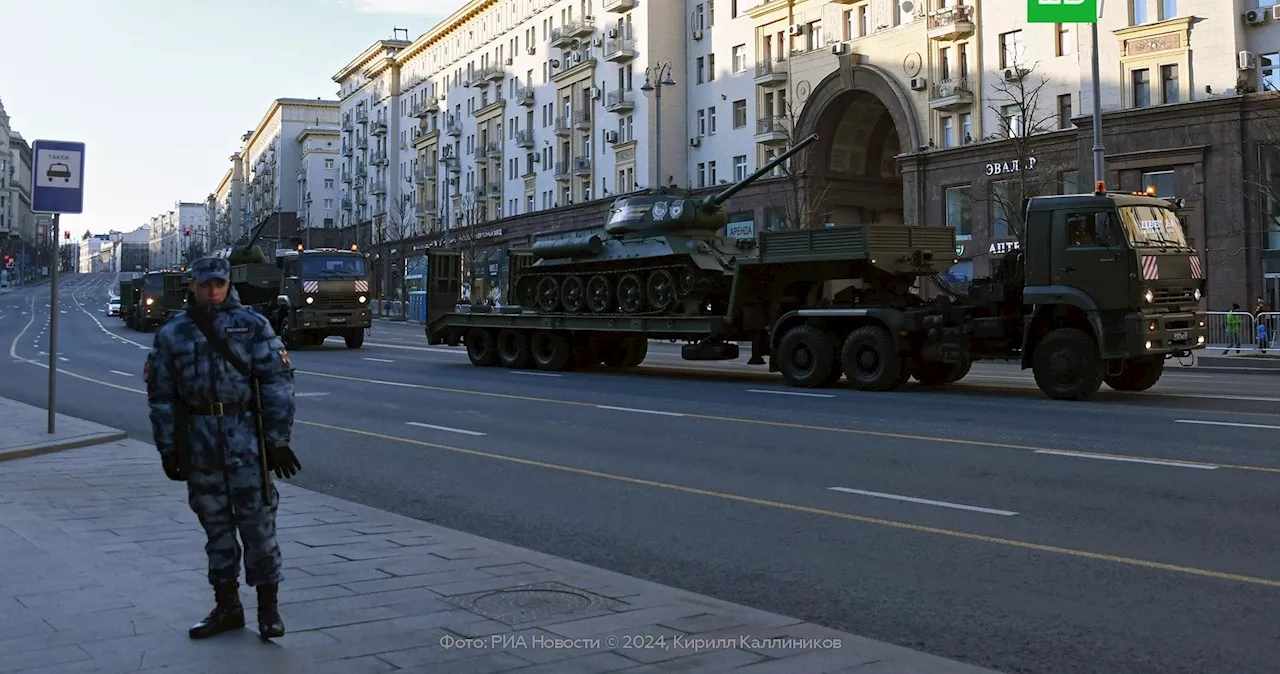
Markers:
point(1078, 11)
point(57, 187)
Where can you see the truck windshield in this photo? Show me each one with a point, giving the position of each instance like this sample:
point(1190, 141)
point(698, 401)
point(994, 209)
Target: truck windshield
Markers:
point(1152, 227)
point(328, 266)
point(154, 283)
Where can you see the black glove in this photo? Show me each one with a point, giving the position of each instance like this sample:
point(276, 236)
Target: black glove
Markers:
point(170, 463)
point(283, 462)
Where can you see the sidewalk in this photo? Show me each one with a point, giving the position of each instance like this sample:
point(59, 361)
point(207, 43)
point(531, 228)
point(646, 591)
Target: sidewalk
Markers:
point(102, 569)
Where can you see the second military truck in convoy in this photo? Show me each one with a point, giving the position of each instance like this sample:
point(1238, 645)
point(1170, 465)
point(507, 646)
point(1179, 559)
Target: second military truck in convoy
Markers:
point(1104, 288)
point(147, 301)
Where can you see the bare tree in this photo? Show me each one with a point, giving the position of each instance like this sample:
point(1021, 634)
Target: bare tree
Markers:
point(472, 212)
point(1023, 116)
point(799, 196)
point(1261, 180)
point(401, 224)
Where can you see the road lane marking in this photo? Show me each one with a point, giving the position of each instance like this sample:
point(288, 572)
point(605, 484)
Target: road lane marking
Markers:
point(65, 360)
point(122, 374)
point(925, 501)
point(776, 424)
point(638, 411)
point(378, 360)
point(310, 394)
point(791, 393)
point(1225, 423)
point(1131, 459)
point(793, 507)
point(536, 374)
point(444, 428)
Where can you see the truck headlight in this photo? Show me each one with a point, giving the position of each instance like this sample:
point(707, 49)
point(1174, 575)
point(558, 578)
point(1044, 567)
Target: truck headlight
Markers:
point(1149, 297)
point(1197, 294)
point(311, 300)
point(363, 299)
point(151, 301)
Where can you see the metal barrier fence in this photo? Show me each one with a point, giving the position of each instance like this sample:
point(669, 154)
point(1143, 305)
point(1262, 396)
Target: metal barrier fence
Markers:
point(1243, 340)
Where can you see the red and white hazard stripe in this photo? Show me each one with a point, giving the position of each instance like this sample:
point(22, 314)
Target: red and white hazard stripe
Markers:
point(1197, 272)
point(362, 286)
point(310, 286)
point(1150, 268)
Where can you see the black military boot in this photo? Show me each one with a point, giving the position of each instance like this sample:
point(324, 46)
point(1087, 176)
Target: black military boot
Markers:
point(270, 624)
point(226, 616)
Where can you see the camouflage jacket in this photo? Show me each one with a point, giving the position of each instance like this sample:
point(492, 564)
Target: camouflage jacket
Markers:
point(183, 370)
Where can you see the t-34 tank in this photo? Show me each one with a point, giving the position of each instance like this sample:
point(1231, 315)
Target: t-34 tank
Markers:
point(659, 255)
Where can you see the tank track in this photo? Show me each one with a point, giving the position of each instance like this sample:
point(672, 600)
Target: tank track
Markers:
point(579, 292)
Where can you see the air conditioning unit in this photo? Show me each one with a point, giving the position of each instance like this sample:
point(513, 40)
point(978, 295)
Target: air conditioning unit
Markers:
point(510, 60)
point(918, 84)
point(1255, 17)
point(697, 35)
point(532, 51)
point(595, 93)
point(839, 48)
point(1246, 60)
point(555, 63)
point(696, 141)
point(537, 158)
point(795, 29)
point(1011, 74)
point(613, 33)
point(610, 136)
point(907, 6)
point(598, 42)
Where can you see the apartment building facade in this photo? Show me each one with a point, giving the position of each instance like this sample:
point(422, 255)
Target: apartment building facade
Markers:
point(179, 236)
point(514, 118)
point(18, 237)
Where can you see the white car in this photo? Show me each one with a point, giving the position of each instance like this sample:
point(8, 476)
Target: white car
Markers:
point(113, 307)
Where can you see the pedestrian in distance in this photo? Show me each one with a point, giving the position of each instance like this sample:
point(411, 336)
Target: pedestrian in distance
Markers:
point(220, 388)
point(1262, 336)
point(1233, 329)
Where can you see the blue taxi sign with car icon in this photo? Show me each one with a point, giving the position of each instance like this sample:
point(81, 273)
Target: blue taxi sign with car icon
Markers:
point(57, 177)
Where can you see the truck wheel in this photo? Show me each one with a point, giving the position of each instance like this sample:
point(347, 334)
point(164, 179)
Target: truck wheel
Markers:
point(354, 339)
point(513, 348)
point(807, 357)
point(1139, 374)
point(550, 350)
point(933, 373)
point(870, 361)
point(480, 347)
point(636, 349)
point(1066, 365)
point(962, 372)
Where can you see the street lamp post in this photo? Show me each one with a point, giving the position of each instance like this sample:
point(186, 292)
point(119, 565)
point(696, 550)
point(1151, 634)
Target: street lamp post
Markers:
point(1099, 152)
point(661, 73)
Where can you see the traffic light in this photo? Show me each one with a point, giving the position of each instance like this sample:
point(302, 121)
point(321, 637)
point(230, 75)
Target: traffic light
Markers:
point(187, 232)
point(66, 235)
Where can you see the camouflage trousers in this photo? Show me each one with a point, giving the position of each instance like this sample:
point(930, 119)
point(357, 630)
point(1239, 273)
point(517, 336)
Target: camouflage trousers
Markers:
point(230, 502)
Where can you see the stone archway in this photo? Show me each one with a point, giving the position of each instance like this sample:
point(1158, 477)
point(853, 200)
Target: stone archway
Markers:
point(863, 120)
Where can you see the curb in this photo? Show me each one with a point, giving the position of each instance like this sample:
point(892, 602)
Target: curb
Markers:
point(1235, 370)
point(60, 446)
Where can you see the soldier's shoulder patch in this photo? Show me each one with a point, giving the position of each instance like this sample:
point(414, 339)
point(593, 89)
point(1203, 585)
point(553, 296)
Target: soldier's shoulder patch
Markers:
point(284, 358)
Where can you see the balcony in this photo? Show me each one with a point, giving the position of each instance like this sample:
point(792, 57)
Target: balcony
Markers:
point(621, 100)
point(571, 60)
point(562, 171)
point(951, 23)
point(619, 6)
point(582, 166)
point(453, 128)
point(346, 203)
point(362, 142)
point(451, 164)
point(346, 176)
point(563, 35)
point(494, 190)
point(619, 49)
point(347, 149)
point(361, 173)
point(378, 158)
point(428, 207)
point(494, 150)
point(952, 94)
point(379, 188)
point(524, 139)
point(347, 124)
point(362, 116)
point(582, 120)
point(771, 73)
point(524, 96)
point(484, 76)
point(563, 127)
point(424, 173)
point(379, 127)
point(426, 107)
point(771, 131)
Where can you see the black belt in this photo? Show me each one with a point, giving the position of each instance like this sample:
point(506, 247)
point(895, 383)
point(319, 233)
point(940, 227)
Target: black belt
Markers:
point(218, 409)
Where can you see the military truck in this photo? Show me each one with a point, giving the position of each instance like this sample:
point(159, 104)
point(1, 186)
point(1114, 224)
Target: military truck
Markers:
point(148, 301)
point(1104, 288)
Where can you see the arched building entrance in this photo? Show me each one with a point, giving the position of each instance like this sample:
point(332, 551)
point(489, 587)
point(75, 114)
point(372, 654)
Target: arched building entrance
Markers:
point(864, 121)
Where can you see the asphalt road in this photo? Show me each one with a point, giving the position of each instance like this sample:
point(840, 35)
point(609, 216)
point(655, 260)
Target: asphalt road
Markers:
point(1133, 533)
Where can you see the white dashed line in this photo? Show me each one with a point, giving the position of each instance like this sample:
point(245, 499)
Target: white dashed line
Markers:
point(122, 374)
point(925, 501)
point(790, 393)
point(444, 428)
point(1125, 459)
point(1225, 423)
point(379, 360)
point(639, 411)
point(536, 374)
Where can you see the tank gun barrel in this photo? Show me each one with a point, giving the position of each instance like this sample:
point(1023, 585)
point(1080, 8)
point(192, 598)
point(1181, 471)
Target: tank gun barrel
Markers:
point(723, 196)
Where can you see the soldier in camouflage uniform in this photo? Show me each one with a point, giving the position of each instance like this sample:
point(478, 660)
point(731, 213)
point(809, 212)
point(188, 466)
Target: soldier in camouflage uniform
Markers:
point(203, 420)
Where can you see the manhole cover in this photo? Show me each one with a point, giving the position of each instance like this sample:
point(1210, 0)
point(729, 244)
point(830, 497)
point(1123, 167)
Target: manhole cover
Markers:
point(531, 603)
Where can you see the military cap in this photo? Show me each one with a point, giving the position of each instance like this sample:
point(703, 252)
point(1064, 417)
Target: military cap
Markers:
point(209, 268)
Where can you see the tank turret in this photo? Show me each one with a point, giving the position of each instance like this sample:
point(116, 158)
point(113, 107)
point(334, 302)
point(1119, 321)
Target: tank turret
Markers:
point(660, 252)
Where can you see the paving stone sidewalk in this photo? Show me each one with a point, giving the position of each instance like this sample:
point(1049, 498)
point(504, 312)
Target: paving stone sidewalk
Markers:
point(27, 431)
point(102, 570)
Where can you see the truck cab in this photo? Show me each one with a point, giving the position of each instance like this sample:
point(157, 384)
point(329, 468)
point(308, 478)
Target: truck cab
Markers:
point(156, 297)
point(1110, 283)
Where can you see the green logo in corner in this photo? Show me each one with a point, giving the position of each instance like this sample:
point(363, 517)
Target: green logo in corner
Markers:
point(1062, 11)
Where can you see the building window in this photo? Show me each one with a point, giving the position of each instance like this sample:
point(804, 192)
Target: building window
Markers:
point(959, 211)
point(944, 64)
point(739, 58)
point(1141, 88)
point(1268, 191)
point(1168, 9)
point(1006, 200)
point(711, 120)
point(1064, 111)
point(328, 183)
point(1011, 50)
point(1163, 181)
point(864, 20)
point(948, 131)
point(1070, 182)
point(702, 175)
point(702, 123)
point(739, 114)
point(966, 128)
point(1137, 12)
point(328, 163)
point(702, 69)
point(740, 167)
point(711, 172)
point(1066, 40)
point(1169, 92)
point(1011, 119)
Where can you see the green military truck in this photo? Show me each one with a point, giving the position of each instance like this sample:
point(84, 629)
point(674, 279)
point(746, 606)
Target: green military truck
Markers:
point(147, 301)
point(1104, 288)
point(309, 295)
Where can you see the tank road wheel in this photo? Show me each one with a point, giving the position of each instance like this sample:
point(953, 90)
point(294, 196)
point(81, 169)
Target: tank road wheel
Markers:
point(527, 291)
point(513, 348)
point(1066, 365)
point(1139, 374)
point(598, 294)
point(550, 350)
point(661, 290)
point(630, 293)
point(808, 358)
point(480, 347)
point(687, 281)
point(870, 361)
point(548, 294)
point(572, 294)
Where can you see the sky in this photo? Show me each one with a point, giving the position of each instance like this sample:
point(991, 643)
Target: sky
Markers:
point(160, 91)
